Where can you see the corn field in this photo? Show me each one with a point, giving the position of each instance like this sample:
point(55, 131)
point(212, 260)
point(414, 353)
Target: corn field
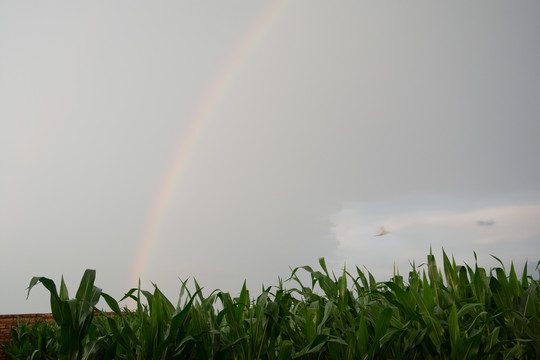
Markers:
point(457, 312)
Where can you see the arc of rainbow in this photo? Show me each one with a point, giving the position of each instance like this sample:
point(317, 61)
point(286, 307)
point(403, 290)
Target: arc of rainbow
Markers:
point(203, 113)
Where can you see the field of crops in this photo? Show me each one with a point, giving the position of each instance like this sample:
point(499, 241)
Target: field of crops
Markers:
point(448, 312)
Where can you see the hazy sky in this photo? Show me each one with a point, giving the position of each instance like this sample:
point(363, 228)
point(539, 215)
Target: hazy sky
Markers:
point(230, 140)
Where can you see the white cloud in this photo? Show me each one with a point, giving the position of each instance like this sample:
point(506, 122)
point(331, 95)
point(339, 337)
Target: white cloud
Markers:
point(412, 231)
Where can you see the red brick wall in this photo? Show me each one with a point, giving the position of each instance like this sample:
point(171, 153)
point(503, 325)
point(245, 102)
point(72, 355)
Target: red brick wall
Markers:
point(7, 322)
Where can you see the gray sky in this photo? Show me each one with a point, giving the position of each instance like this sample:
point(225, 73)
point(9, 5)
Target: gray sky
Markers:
point(333, 120)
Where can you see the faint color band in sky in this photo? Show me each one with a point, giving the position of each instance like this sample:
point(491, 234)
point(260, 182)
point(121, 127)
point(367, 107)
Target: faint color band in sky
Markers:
point(202, 114)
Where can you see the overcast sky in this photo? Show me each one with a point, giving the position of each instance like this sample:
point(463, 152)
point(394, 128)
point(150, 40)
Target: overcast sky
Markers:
point(230, 140)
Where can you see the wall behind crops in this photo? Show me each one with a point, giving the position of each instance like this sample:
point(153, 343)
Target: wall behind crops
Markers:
point(7, 322)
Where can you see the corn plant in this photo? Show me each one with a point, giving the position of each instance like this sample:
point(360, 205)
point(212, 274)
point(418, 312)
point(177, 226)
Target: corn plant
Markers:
point(156, 330)
point(73, 316)
point(35, 341)
point(453, 312)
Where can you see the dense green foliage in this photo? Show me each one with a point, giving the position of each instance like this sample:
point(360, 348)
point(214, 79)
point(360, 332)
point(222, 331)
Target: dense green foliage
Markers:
point(458, 312)
point(35, 341)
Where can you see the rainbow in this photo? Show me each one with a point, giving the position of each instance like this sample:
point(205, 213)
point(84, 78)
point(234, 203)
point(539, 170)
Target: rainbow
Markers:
point(204, 111)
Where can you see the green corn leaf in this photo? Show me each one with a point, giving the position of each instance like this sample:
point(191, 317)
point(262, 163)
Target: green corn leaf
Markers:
point(233, 343)
point(322, 262)
point(244, 295)
point(524, 277)
point(127, 336)
point(63, 294)
point(479, 285)
point(286, 349)
point(468, 309)
point(434, 328)
point(310, 320)
point(383, 322)
point(198, 289)
point(513, 352)
point(148, 295)
point(112, 303)
point(470, 346)
point(315, 346)
point(363, 336)
point(178, 352)
point(499, 261)
point(328, 311)
point(56, 302)
point(529, 303)
point(92, 350)
point(453, 329)
point(463, 282)
point(129, 295)
point(342, 285)
point(501, 293)
point(492, 339)
point(428, 297)
point(433, 272)
point(84, 293)
point(405, 299)
point(177, 321)
point(513, 282)
point(362, 277)
point(450, 272)
point(372, 282)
